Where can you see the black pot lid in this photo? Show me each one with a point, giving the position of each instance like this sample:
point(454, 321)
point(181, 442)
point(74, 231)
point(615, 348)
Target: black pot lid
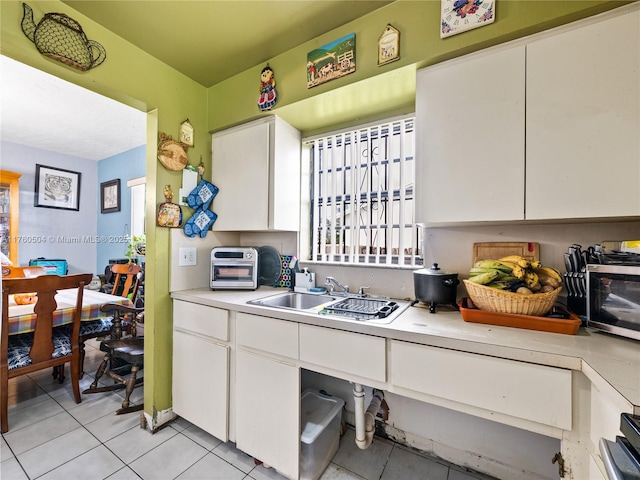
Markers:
point(269, 265)
point(433, 270)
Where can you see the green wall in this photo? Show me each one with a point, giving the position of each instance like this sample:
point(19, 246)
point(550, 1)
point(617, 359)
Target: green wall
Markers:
point(131, 76)
point(373, 92)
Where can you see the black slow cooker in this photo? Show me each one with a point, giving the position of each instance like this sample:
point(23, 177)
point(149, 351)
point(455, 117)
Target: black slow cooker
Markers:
point(434, 286)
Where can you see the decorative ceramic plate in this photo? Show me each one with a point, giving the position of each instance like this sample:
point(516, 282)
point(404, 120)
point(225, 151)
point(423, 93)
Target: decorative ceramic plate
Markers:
point(172, 155)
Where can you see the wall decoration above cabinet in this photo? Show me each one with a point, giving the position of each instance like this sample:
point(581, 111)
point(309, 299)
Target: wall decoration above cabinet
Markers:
point(461, 15)
point(172, 154)
point(186, 133)
point(389, 45)
point(61, 38)
point(268, 94)
point(331, 61)
point(169, 213)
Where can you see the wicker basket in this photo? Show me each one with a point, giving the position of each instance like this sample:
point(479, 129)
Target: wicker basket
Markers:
point(494, 300)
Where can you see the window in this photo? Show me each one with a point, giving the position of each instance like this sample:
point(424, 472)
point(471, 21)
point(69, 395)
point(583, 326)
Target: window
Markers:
point(138, 187)
point(362, 196)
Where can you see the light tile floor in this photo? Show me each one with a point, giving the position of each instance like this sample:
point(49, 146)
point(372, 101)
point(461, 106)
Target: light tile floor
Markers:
point(52, 438)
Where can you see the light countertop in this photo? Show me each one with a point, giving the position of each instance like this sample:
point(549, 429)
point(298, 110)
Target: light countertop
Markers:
point(615, 360)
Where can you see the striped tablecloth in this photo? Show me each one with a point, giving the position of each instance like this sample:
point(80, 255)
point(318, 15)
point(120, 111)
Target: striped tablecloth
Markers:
point(22, 319)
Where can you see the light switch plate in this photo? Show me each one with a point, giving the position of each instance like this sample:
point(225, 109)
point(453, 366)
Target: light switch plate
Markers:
point(187, 256)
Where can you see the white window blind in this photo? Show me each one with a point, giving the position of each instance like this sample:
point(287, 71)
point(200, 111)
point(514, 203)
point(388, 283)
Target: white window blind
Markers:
point(362, 196)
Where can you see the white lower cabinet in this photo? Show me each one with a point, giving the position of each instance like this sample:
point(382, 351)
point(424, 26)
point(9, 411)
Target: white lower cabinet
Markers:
point(268, 392)
point(594, 470)
point(521, 390)
point(200, 335)
point(606, 407)
point(268, 411)
point(265, 355)
point(201, 383)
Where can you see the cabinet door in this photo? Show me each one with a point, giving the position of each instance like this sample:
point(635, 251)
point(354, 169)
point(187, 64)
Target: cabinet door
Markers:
point(201, 383)
point(285, 181)
point(583, 119)
point(241, 172)
point(470, 142)
point(268, 411)
point(9, 202)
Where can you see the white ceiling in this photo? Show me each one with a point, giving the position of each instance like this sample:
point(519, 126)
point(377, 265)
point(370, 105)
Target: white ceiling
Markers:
point(42, 111)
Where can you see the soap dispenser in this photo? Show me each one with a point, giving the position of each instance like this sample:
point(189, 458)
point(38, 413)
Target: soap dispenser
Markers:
point(305, 281)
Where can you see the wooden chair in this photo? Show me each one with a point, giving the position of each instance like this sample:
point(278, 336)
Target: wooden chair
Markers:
point(125, 284)
point(127, 352)
point(9, 271)
point(47, 346)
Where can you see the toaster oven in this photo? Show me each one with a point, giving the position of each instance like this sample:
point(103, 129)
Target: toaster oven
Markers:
point(234, 268)
point(613, 299)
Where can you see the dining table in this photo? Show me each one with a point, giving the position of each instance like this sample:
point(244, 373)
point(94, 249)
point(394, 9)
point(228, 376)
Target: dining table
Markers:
point(22, 318)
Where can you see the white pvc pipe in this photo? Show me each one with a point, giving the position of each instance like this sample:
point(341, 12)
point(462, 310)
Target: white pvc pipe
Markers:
point(365, 421)
point(358, 398)
point(370, 415)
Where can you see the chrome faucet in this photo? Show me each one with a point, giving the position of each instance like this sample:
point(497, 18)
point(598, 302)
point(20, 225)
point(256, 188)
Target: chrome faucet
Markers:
point(330, 282)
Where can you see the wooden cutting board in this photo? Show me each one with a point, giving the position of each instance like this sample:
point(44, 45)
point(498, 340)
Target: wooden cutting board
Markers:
point(496, 250)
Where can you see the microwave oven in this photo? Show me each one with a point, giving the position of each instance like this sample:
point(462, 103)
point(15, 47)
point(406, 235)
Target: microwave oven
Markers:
point(234, 268)
point(613, 299)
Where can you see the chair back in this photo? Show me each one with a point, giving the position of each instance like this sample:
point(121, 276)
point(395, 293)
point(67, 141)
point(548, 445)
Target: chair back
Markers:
point(42, 345)
point(121, 311)
point(9, 271)
point(125, 283)
point(45, 287)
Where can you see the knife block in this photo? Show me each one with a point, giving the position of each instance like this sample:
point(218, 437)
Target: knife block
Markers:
point(576, 286)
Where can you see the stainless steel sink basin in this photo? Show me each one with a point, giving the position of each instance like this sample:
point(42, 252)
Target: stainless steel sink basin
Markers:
point(294, 300)
point(350, 307)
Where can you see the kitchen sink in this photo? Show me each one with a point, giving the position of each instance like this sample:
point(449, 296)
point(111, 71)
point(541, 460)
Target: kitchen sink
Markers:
point(349, 307)
point(294, 300)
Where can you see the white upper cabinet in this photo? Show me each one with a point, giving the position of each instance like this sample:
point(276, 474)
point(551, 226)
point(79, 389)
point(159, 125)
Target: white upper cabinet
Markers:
point(256, 166)
point(583, 121)
point(470, 144)
point(543, 128)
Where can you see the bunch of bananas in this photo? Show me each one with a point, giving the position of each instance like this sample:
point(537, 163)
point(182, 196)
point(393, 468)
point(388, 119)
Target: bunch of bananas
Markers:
point(516, 274)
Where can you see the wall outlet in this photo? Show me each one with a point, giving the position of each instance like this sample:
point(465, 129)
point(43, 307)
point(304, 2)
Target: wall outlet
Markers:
point(187, 256)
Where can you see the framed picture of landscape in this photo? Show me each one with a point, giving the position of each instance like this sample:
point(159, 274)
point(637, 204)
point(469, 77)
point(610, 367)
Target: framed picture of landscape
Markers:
point(331, 61)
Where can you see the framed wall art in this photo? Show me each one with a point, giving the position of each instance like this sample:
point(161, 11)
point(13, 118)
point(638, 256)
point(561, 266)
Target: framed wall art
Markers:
point(331, 61)
point(57, 188)
point(389, 45)
point(110, 196)
point(461, 15)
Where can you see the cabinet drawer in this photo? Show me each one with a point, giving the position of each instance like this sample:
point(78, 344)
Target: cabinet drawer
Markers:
point(523, 390)
point(267, 334)
point(354, 353)
point(207, 321)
